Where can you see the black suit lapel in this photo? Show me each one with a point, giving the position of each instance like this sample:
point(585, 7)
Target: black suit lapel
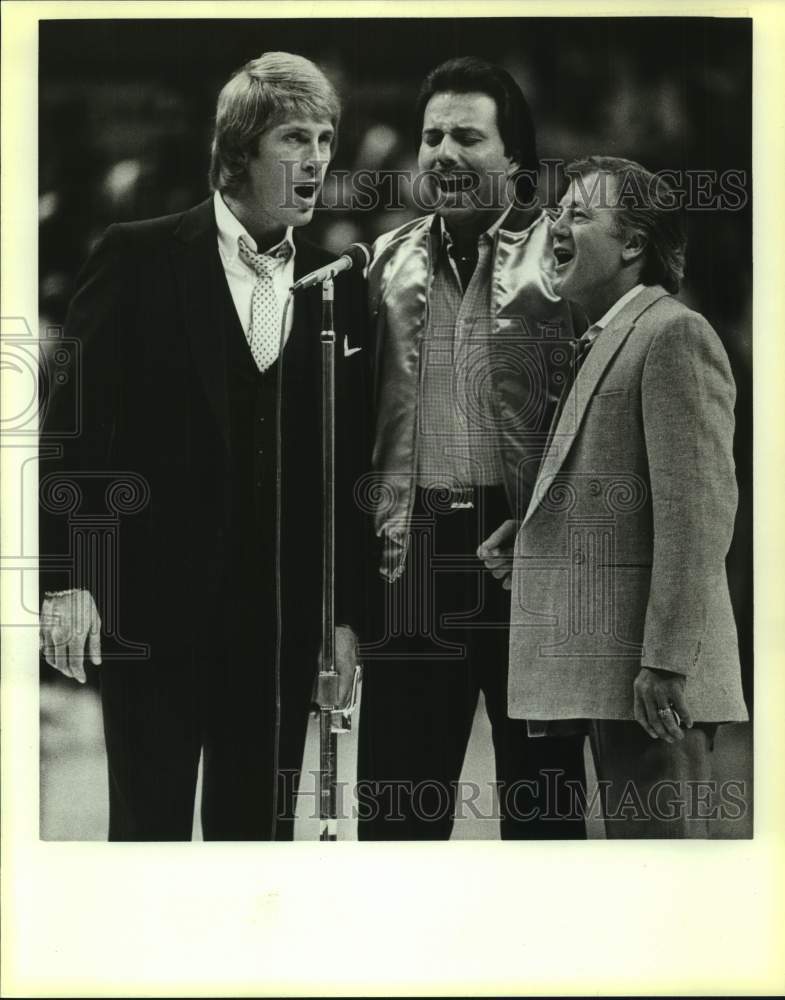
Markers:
point(199, 275)
point(202, 287)
point(307, 304)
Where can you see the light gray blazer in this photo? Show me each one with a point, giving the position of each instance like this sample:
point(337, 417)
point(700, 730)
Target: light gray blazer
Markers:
point(620, 559)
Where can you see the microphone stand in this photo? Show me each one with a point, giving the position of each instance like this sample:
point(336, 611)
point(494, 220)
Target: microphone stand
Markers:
point(334, 720)
point(327, 684)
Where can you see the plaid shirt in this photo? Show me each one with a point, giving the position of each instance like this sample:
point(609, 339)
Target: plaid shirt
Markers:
point(457, 439)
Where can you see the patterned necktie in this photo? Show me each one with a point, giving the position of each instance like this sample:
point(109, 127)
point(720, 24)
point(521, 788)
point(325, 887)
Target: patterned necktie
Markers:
point(264, 335)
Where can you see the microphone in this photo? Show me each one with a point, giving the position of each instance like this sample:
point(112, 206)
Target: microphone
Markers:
point(355, 255)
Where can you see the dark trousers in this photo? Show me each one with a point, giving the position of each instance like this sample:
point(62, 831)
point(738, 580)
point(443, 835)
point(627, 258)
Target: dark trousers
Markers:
point(159, 717)
point(650, 788)
point(440, 636)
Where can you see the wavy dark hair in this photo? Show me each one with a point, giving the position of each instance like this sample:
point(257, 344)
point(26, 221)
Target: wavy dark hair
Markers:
point(646, 203)
point(469, 74)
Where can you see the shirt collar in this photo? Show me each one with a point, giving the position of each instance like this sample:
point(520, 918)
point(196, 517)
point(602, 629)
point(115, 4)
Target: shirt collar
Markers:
point(230, 229)
point(617, 307)
point(490, 232)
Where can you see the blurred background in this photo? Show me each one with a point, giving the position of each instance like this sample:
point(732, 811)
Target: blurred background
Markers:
point(126, 111)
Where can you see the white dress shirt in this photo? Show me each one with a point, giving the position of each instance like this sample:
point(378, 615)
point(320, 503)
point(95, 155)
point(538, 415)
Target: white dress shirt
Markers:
point(594, 330)
point(240, 278)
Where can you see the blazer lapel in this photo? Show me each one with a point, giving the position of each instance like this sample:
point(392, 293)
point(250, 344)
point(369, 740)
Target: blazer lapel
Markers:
point(199, 277)
point(306, 320)
point(198, 273)
point(599, 357)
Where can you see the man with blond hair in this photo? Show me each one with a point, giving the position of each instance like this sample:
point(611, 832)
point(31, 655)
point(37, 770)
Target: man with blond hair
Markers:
point(201, 389)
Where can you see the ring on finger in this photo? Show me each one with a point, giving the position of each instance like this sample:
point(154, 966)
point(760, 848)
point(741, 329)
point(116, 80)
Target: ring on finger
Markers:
point(669, 710)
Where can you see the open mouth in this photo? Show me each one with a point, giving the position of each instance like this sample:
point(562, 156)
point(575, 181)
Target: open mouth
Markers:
point(562, 256)
point(307, 190)
point(456, 183)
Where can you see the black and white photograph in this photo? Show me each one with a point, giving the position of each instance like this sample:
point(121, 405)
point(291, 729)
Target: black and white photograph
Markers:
point(382, 434)
point(183, 506)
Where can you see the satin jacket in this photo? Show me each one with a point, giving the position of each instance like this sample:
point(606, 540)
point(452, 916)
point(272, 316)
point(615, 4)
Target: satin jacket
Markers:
point(528, 361)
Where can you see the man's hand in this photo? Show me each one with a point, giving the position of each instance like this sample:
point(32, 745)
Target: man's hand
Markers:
point(497, 550)
point(68, 619)
point(659, 699)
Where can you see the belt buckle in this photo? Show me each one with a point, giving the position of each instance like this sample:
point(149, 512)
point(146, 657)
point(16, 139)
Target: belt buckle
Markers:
point(464, 499)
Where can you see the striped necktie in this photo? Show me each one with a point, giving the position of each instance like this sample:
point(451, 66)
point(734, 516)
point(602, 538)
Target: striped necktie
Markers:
point(264, 335)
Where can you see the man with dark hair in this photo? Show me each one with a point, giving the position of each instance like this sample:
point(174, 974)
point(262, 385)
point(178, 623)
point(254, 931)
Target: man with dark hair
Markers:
point(468, 330)
point(621, 617)
point(204, 393)
point(514, 121)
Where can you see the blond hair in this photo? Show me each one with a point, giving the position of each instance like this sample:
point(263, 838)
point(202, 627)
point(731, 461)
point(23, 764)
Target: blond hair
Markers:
point(265, 92)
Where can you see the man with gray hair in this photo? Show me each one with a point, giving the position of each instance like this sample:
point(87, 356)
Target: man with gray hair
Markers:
point(201, 386)
point(622, 625)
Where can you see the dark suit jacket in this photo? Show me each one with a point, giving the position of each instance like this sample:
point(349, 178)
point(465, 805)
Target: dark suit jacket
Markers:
point(149, 465)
